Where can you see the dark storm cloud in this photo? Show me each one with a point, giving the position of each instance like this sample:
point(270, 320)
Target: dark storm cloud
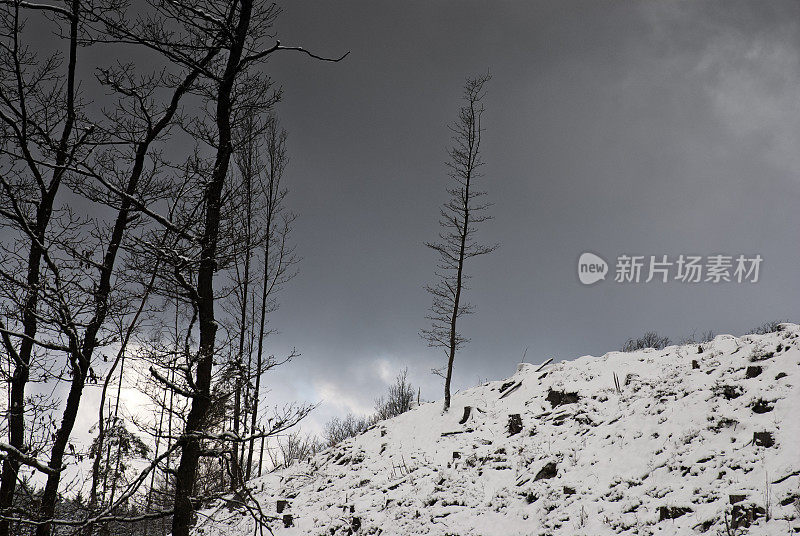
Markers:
point(625, 127)
point(645, 128)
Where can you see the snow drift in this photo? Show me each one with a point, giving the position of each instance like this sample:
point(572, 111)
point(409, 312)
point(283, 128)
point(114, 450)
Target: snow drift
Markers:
point(686, 440)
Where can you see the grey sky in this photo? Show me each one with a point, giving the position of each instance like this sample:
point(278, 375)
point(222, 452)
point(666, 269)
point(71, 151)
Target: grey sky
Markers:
point(613, 127)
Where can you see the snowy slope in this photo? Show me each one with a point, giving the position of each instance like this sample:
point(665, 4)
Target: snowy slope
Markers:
point(663, 455)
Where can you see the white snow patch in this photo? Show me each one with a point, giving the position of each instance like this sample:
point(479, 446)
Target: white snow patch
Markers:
point(689, 427)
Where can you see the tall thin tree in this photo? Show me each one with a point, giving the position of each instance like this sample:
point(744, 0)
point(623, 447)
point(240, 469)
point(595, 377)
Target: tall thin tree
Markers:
point(278, 257)
point(459, 217)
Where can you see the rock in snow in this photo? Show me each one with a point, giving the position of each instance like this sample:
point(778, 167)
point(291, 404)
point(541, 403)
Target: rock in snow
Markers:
point(666, 454)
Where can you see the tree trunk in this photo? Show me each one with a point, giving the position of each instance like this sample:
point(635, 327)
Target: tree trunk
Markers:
point(50, 495)
point(272, 205)
point(16, 414)
point(19, 380)
point(240, 373)
point(186, 474)
point(456, 301)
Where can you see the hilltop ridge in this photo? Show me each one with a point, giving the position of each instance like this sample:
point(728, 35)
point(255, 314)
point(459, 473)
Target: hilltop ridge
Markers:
point(686, 440)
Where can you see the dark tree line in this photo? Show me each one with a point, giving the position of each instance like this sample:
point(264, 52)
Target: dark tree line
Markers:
point(132, 227)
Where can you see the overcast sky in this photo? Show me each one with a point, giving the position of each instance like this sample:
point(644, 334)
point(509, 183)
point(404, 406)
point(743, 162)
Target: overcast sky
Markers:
point(640, 128)
point(637, 128)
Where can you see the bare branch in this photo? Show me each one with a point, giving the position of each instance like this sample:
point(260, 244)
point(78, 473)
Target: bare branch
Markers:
point(30, 461)
point(277, 46)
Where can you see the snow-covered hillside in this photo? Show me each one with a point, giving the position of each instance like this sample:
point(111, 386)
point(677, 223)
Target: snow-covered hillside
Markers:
point(695, 436)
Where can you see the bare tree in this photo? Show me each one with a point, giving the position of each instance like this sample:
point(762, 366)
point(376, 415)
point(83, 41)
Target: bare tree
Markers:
point(651, 339)
point(337, 430)
point(233, 89)
point(459, 217)
point(278, 258)
point(72, 284)
point(48, 141)
point(294, 447)
point(398, 400)
point(767, 327)
point(32, 134)
point(263, 229)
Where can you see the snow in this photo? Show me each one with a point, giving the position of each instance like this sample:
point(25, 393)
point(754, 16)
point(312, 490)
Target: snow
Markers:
point(675, 442)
